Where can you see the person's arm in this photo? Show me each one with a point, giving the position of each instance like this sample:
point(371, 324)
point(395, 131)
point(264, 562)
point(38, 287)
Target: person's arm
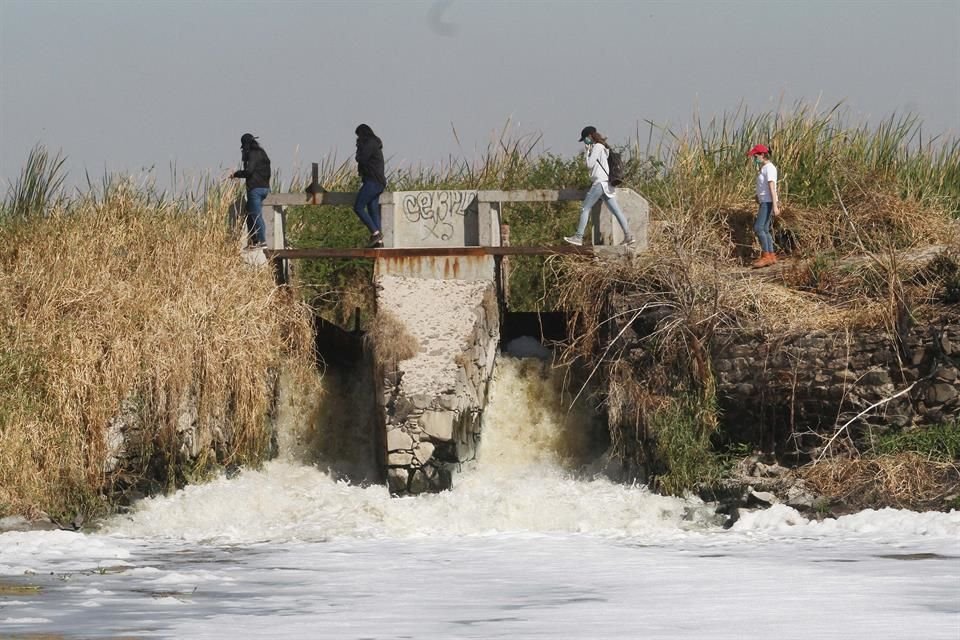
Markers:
point(365, 155)
point(776, 197)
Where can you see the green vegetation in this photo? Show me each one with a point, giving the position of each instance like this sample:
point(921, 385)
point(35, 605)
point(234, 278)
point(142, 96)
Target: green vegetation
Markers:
point(856, 203)
point(940, 442)
point(127, 300)
point(846, 189)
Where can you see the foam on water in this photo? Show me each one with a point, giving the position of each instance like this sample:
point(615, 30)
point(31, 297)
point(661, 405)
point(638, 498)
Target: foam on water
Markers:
point(290, 552)
point(528, 478)
point(524, 481)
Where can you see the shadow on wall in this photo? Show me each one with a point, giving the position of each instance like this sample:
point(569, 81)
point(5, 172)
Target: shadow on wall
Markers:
point(343, 434)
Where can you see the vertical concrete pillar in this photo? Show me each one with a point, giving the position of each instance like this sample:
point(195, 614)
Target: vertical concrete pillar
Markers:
point(388, 218)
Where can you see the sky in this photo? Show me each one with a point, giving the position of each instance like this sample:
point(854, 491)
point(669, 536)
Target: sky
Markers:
point(123, 86)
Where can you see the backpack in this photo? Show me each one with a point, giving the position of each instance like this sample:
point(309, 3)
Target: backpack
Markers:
point(615, 175)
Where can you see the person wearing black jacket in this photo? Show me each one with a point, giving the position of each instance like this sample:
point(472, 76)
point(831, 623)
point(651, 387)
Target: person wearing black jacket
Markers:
point(372, 182)
point(256, 171)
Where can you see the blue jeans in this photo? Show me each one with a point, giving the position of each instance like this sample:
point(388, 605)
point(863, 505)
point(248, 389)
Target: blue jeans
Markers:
point(367, 204)
point(255, 226)
point(594, 194)
point(762, 227)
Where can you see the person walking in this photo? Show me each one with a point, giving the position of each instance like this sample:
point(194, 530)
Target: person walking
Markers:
point(256, 172)
point(372, 182)
point(596, 155)
point(769, 204)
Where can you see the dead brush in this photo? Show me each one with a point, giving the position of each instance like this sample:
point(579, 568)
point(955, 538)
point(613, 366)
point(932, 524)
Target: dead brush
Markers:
point(390, 341)
point(123, 300)
point(904, 481)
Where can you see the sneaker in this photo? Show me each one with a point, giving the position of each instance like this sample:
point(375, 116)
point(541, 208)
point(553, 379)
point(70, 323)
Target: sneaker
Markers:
point(574, 240)
point(629, 241)
point(376, 241)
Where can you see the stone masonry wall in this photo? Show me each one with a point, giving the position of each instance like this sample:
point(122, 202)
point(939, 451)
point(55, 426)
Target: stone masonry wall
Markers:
point(433, 402)
point(783, 393)
point(771, 389)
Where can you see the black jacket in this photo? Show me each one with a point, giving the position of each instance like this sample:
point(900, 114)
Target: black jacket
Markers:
point(256, 168)
point(370, 159)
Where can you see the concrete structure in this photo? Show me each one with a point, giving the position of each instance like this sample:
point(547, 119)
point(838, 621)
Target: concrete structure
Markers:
point(439, 287)
point(458, 218)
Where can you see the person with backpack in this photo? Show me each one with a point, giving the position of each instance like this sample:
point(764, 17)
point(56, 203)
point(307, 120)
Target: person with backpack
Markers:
point(256, 171)
point(769, 201)
point(372, 182)
point(604, 176)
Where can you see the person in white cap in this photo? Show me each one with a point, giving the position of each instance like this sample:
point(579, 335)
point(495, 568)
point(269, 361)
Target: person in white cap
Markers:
point(596, 155)
point(769, 201)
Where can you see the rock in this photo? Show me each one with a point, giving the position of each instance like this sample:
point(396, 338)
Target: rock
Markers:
point(399, 459)
point(941, 393)
point(947, 374)
point(419, 482)
point(875, 378)
point(398, 439)
point(423, 452)
point(438, 424)
point(421, 400)
point(450, 401)
point(761, 499)
point(397, 479)
point(19, 523)
point(799, 498)
point(770, 470)
point(946, 345)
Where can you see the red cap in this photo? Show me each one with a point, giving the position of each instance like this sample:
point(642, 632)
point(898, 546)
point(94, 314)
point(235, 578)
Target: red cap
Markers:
point(758, 149)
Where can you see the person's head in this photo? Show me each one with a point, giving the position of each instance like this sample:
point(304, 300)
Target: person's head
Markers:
point(760, 153)
point(588, 135)
point(248, 141)
point(364, 131)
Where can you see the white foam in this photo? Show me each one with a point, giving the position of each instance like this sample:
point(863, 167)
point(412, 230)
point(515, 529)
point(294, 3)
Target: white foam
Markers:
point(889, 522)
point(65, 550)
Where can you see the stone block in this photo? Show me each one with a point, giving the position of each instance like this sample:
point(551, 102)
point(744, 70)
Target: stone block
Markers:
point(946, 374)
point(399, 459)
point(423, 452)
point(399, 440)
point(438, 424)
point(941, 393)
point(876, 378)
point(450, 401)
point(421, 400)
point(397, 479)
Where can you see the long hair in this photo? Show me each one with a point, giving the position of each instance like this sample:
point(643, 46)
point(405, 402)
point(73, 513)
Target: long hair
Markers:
point(596, 137)
point(364, 131)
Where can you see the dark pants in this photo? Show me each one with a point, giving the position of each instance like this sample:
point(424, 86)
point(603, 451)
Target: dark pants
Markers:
point(367, 204)
point(255, 226)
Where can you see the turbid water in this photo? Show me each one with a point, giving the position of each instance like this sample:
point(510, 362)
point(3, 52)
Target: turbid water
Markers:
point(526, 545)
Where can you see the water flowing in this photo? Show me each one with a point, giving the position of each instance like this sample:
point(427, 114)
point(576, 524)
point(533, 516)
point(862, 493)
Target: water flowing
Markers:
point(532, 542)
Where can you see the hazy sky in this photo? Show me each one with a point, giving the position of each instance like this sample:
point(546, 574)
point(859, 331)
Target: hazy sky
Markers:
point(124, 85)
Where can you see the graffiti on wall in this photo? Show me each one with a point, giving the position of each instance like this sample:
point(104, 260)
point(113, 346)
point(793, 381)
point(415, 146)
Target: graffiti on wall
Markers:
point(440, 214)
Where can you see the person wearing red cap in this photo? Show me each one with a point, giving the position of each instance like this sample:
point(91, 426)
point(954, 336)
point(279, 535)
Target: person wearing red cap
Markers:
point(769, 202)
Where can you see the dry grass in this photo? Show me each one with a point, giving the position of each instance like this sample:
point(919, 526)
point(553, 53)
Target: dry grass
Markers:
point(390, 341)
point(903, 480)
point(129, 301)
point(860, 261)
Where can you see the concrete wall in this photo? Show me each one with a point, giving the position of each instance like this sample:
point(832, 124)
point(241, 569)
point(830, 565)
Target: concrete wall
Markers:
point(636, 209)
point(432, 402)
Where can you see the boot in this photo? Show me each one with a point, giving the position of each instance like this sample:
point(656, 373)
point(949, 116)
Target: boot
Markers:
point(766, 259)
